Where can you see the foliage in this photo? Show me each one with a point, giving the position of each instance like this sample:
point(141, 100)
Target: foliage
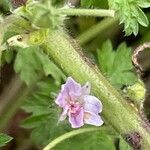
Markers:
point(7, 57)
point(117, 64)
point(131, 14)
point(44, 11)
point(90, 141)
point(4, 6)
point(32, 62)
point(44, 118)
point(44, 121)
point(86, 3)
point(4, 139)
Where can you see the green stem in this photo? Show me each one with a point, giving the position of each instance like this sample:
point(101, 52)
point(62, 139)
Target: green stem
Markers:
point(87, 12)
point(68, 135)
point(115, 109)
point(96, 30)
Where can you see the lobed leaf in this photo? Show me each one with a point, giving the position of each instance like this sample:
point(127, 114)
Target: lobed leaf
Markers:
point(44, 115)
point(117, 64)
point(131, 14)
point(32, 62)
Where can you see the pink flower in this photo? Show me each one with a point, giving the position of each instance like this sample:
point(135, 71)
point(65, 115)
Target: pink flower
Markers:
point(78, 105)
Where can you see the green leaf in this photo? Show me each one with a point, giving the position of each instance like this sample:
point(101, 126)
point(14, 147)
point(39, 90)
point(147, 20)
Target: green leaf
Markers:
point(142, 19)
point(27, 64)
point(11, 31)
point(44, 114)
point(5, 6)
point(4, 139)
point(105, 53)
point(85, 3)
point(42, 14)
point(40, 101)
point(32, 62)
point(50, 68)
point(34, 121)
point(8, 55)
point(131, 14)
point(90, 141)
point(117, 64)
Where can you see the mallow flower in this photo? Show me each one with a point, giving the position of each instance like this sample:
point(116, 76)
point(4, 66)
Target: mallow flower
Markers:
point(78, 105)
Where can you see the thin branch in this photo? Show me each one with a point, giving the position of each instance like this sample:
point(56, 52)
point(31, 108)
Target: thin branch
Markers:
point(95, 30)
point(87, 12)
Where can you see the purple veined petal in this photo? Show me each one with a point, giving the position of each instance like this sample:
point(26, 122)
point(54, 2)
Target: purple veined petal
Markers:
point(92, 104)
point(72, 88)
point(64, 113)
point(61, 98)
point(77, 120)
point(86, 89)
point(92, 119)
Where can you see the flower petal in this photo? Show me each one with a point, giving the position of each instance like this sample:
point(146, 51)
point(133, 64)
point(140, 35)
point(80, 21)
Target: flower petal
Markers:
point(72, 88)
point(77, 120)
point(86, 89)
point(92, 104)
point(93, 119)
point(61, 98)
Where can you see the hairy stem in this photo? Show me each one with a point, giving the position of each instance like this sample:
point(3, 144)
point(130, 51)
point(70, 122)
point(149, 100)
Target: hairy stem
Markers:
point(116, 110)
point(87, 12)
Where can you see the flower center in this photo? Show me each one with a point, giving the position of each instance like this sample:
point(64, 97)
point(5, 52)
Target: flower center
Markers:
point(74, 107)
